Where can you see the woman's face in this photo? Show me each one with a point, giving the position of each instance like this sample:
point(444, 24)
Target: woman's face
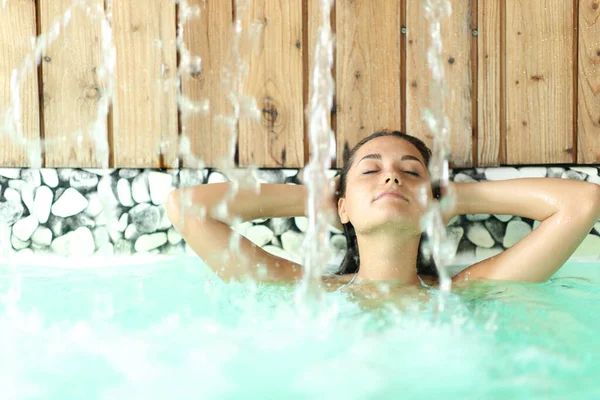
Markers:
point(384, 186)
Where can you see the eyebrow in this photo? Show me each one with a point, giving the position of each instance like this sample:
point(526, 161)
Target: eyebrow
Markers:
point(377, 156)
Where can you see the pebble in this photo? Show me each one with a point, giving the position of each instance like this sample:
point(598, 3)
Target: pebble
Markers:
point(24, 228)
point(139, 189)
point(70, 203)
point(478, 235)
point(124, 192)
point(150, 241)
point(79, 242)
point(49, 177)
point(515, 231)
point(160, 185)
point(42, 236)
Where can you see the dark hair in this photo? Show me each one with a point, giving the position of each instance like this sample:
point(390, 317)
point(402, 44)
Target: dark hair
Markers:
point(350, 263)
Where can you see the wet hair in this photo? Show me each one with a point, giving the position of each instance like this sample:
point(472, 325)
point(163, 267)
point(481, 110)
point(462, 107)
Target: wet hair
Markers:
point(351, 262)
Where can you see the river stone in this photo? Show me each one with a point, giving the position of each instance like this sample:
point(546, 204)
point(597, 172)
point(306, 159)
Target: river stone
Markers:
point(501, 173)
point(279, 225)
point(76, 221)
point(49, 177)
point(190, 177)
point(12, 195)
point(575, 175)
point(70, 203)
point(216, 177)
point(173, 236)
point(590, 171)
point(82, 180)
point(16, 184)
point(79, 242)
point(477, 217)
point(131, 233)
point(515, 231)
point(461, 177)
point(32, 177)
point(478, 235)
point(555, 172)
point(150, 241)
point(42, 236)
point(145, 217)
point(292, 243)
point(101, 238)
point(42, 203)
point(532, 172)
point(496, 228)
point(10, 173)
point(160, 185)
point(18, 244)
point(124, 192)
point(94, 205)
point(123, 221)
point(24, 228)
point(10, 211)
point(503, 217)
point(139, 188)
point(594, 179)
point(260, 235)
point(106, 192)
point(129, 173)
point(301, 223)
point(56, 225)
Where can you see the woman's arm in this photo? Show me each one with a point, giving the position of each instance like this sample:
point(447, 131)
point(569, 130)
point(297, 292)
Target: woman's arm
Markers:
point(197, 213)
point(567, 209)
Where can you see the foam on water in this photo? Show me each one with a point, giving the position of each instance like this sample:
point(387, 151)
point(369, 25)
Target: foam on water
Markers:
point(170, 329)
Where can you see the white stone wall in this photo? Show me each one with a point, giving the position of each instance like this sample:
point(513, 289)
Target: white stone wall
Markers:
point(88, 212)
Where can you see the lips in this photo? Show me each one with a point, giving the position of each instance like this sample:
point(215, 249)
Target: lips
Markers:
point(391, 194)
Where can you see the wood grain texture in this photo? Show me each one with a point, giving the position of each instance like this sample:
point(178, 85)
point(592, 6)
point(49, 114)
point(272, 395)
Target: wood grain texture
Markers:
point(71, 88)
point(456, 37)
point(368, 66)
point(588, 119)
point(275, 79)
point(489, 101)
point(539, 82)
point(17, 28)
point(145, 132)
point(209, 38)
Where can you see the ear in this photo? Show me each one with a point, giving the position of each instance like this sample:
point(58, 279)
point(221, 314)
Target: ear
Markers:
point(342, 211)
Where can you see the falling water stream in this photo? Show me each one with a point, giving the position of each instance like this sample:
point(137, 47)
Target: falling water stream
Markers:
point(233, 75)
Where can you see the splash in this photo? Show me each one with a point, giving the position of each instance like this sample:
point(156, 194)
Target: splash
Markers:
point(322, 148)
point(437, 246)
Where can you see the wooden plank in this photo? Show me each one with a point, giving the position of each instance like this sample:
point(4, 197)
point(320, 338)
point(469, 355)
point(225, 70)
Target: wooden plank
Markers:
point(145, 109)
point(368, 66)
point(539, 82)
point(17, 29)
point(456, 37)
point(208, 37)
point(71, 88)
point(275, 80)
point(588, 118)
point(489, 101)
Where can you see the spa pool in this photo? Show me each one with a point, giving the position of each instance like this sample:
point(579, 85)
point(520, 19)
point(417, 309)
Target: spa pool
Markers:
point(169, 330)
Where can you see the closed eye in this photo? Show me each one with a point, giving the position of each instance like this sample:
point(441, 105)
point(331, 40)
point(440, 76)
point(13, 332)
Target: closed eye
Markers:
point(369, 172)
point(412, 173)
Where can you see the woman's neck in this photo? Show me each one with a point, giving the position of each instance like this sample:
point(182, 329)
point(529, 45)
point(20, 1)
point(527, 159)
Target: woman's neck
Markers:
point(385, 257)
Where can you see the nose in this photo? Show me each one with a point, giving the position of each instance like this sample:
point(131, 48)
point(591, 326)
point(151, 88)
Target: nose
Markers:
point(392, 176)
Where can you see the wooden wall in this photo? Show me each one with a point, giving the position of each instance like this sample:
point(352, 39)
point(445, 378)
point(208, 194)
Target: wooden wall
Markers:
point(524, 80)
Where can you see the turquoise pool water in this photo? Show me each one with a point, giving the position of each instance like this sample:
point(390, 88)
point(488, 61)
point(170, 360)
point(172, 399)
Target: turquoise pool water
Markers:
point(170, 330)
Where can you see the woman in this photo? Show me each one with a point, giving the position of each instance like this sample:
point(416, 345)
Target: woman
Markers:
point(378, 205)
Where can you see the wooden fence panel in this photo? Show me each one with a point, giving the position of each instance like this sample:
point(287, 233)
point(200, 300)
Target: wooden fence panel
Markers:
point(539, 82)
point(588, 134)
point(209, 38)
point(368, 70)
point(17, 27)
point(456, 36)
point(71, 89)
point(145, 131)
point(490, 138)
point(276, 81)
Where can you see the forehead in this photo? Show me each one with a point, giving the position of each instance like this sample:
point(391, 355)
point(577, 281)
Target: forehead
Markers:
point(388, 147)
